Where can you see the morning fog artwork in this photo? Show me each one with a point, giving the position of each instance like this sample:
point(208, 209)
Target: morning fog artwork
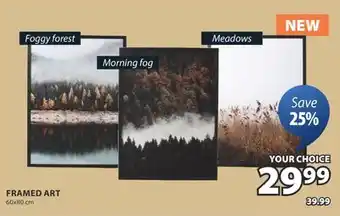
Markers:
point(73, 107)
point(168, 116)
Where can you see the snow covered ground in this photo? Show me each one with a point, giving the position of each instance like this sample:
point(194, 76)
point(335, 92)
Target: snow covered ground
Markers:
point(73, 117)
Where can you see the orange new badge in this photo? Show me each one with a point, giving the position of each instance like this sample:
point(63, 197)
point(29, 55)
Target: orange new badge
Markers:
point(302, 24)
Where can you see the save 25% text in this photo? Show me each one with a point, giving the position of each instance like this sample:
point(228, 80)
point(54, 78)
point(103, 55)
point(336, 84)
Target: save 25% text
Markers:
point(303, 118)
point(292, 179)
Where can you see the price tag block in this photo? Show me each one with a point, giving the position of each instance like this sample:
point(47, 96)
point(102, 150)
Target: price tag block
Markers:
point(304, 112)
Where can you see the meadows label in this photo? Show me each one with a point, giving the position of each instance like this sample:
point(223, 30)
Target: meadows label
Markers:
point(231, 38)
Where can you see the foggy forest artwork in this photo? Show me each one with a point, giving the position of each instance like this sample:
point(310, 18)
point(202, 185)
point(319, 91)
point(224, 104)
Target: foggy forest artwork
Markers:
point(73, 106)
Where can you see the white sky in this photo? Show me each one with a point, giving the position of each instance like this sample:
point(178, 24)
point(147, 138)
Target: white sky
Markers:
point(249, 73)
point(68, 51)
point(75, 62)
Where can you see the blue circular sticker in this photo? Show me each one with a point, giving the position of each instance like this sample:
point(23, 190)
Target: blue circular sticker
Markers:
point(304, 111)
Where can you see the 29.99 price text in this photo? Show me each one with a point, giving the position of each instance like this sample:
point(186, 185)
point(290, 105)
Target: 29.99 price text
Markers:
point(292, 179)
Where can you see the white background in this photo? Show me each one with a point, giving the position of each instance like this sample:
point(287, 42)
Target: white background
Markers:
point(249, 73)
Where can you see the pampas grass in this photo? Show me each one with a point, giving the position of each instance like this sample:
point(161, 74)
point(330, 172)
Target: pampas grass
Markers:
point(247, 135)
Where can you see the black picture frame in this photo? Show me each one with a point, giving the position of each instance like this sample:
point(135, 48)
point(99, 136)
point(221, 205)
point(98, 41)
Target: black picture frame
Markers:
point(29, 164)
point(304, 82)
point(215, 81)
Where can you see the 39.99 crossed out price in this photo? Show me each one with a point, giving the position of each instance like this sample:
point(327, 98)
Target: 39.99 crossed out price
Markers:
point(292, 179)
point(303, 118)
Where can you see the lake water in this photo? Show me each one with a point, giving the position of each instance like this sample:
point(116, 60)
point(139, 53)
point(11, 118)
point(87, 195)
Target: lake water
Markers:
point(102, 157)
